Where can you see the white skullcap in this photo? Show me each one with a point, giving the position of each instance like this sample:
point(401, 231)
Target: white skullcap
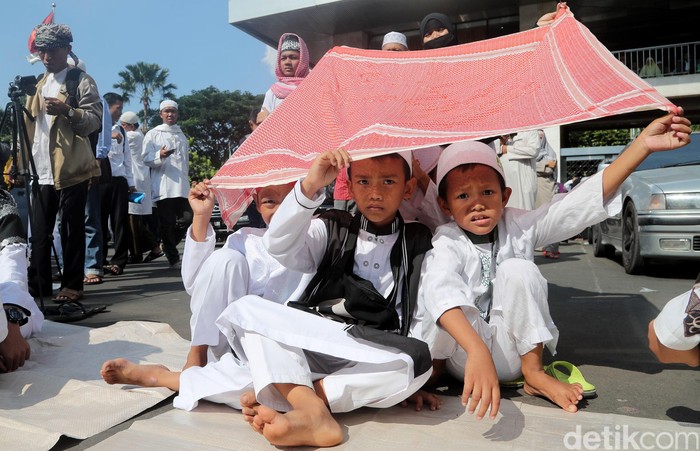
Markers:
point(467, 152)
point(167, 103)
point(394, 37)
point(408, 156)
point(129, 117)
point(427, 157)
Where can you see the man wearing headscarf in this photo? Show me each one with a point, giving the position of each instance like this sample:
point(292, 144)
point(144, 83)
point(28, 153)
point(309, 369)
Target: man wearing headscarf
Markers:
point(166, 152)
point(291, 69)
point(437, 31)
point(64, 161)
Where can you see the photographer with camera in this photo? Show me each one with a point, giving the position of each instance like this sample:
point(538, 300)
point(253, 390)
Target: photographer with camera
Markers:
point(63, 158)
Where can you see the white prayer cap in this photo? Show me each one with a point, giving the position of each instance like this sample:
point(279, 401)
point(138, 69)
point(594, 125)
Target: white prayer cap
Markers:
point(467, 152)
point(167, 103)
point(129, 117)
point(427, 157)
point(80, 65)
point(394, 37)
point(408, 156)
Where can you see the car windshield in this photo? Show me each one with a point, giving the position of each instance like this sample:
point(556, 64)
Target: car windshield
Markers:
point(685, 156)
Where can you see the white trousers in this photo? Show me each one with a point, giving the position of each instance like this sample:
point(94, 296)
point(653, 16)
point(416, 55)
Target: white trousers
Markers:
point(281, 344)
point(519, 321)
point(222, 279)
point(221, 381)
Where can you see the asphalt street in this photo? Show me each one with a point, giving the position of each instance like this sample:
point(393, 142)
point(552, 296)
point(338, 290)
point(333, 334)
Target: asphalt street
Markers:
point(601, 312)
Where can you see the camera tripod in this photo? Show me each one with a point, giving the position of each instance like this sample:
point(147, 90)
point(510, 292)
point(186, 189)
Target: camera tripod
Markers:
point(23, 167)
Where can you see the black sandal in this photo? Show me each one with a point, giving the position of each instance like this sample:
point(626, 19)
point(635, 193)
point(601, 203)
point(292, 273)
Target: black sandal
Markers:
point(114, 270)
point(71, 311)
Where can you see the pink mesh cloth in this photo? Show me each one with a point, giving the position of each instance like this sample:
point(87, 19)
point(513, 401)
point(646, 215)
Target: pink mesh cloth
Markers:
point(372, 102)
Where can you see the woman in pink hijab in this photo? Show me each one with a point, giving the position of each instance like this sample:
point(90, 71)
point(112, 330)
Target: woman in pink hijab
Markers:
point(292, 67)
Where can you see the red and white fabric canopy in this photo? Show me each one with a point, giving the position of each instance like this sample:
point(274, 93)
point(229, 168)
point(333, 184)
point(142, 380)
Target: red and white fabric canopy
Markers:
point(372, 102)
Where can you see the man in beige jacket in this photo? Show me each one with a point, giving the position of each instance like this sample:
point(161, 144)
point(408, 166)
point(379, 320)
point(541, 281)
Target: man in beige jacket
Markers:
point(63, 158)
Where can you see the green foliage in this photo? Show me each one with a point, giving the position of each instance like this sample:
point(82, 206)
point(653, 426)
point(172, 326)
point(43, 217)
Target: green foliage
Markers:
point(200, 167)
point(595, 138)
point(216, 120)
point(145, 80)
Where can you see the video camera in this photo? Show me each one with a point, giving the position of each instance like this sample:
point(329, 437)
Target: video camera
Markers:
point(22, 86)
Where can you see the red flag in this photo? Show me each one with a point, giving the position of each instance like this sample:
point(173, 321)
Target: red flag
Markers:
point(32, 36)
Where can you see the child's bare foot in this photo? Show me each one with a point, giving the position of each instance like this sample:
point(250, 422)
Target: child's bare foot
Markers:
point(248, 405)
point(311, 425)
point(121, 371)
point(566, 396)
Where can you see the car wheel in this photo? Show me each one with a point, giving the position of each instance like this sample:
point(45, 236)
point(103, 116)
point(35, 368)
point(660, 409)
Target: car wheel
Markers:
point(600, 249)
point(631, 258)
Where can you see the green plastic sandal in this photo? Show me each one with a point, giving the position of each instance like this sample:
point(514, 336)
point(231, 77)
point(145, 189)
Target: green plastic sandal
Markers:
point(568, 373)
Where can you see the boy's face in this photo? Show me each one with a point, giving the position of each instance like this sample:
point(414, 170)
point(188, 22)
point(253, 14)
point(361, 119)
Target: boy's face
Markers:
point(269, 198)
point(474, 198)
point(289, 61)
point(378, 185)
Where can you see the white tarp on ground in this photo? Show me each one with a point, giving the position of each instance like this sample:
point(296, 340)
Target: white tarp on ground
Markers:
point(59, 391)
point(519, 426)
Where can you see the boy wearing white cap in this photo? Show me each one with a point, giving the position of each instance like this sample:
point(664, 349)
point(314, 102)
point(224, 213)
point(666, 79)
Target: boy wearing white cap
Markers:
point(166, 152)
point(367, 271)
point(395, 42)
point(485, 300)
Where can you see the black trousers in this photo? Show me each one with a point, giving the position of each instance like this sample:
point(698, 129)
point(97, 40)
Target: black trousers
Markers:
point(115, 209)
point(47, 203)
point(142, 239)
point(174, 216)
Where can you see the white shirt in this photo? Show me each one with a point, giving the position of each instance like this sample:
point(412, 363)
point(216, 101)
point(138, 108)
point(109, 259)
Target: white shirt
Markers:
point(13, 289)
point(519, 169)
point(41, 150)
point(120, 157)
point(141, 172)
point(452, 270)
point(271, 101)
point(299, 242)
point(669, 324)
point(169, 177)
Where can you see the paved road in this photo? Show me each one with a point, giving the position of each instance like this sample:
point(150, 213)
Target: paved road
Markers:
point(602, 314)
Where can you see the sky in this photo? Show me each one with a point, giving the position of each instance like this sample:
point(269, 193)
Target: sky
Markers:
point(192, 39)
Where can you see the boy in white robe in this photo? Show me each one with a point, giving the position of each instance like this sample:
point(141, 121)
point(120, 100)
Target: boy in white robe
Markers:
point(20, 317)
point(674, 335)
point(307, 365)
point(485, 300)
point(214, 279)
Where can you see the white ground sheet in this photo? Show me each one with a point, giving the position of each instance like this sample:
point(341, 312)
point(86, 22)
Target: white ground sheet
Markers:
point(59, 391)
point(518, 427)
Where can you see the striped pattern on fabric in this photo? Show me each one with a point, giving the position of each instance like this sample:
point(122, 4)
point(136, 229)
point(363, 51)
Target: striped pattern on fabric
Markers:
point(373, 103)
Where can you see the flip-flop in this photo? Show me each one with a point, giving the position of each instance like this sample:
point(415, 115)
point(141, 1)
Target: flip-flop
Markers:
point(152, 256)
point(71, 311)
point(114, 270)
point(514, 384)
point(92, 279)
point(69, 294)
point(568, 373)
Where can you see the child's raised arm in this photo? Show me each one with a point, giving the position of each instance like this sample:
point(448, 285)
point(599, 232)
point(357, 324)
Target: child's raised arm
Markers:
point(324, 170)
point(201, 200)
point(666, 133)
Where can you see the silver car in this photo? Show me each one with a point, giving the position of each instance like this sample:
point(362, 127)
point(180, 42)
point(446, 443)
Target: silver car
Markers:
point(660, 217)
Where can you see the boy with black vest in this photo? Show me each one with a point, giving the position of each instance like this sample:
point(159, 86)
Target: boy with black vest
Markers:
point(368, 268)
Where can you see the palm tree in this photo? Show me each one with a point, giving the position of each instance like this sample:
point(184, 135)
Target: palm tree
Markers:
point(145, 80)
